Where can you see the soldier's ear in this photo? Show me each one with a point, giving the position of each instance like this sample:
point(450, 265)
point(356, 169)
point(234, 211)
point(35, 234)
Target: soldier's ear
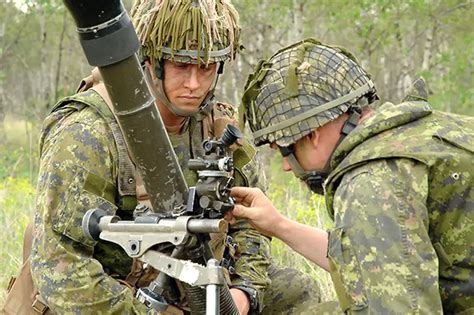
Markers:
point(151, 71)
point(314, 137)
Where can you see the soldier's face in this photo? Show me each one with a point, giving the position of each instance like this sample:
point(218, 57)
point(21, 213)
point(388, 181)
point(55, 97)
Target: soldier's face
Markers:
point(307, 153)
point(303, 150)
point(314, 150)
point(187, 85)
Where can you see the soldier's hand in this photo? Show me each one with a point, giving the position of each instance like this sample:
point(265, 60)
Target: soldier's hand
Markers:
point(253, 205)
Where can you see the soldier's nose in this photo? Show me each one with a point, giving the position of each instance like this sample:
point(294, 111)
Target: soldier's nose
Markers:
point(192, 81)
point(286, 165)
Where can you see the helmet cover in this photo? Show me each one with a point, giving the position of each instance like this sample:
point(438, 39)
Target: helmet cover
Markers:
point(188, 31)
point(300, 88)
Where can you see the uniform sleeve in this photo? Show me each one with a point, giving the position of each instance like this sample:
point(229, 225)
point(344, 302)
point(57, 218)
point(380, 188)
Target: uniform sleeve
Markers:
point(253, 252)
point(76, 174)
point(382, 259)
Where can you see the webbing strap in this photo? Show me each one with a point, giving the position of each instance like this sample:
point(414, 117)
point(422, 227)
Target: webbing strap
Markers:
point(338, 101)
point(39, 306)
point(295, 165)
point(126, 178)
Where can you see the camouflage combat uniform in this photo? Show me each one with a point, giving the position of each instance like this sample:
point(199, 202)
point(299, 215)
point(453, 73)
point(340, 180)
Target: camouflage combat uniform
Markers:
point(289, 288)
point(398, 183)
point(79, 171)
point(401, 193)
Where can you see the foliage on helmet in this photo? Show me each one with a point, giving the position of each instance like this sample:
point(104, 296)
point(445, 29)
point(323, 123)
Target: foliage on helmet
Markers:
point(302, 87)
point(190, 31)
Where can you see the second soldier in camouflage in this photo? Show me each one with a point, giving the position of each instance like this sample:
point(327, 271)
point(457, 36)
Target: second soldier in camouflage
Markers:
point(398, 181)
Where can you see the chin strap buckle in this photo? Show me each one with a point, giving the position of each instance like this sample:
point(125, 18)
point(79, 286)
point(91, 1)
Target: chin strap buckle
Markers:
point(351, 123)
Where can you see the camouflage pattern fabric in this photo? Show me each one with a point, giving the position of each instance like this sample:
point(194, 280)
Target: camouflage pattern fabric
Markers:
point(284, 289)
point(323, 308)
point(78, 171)
point(402, 198)
point(253, 249)
point(290, 290)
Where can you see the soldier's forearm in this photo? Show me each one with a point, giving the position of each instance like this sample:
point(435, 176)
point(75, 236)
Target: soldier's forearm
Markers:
point(310, 242)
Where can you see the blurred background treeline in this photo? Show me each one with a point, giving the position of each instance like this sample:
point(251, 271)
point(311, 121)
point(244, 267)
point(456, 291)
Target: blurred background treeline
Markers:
point(396, 41)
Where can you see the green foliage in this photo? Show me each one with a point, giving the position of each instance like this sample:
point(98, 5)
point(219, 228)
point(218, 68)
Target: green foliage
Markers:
point(454, 91)
point(396, 41)
point(16, 210)
point(20, 146)
point(18, 167)
point(9, 162)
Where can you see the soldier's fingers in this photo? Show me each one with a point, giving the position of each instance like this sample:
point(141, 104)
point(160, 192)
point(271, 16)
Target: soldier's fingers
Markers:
point(239, 192)
point(244, 194)
point(229, 217)
point(237, 199)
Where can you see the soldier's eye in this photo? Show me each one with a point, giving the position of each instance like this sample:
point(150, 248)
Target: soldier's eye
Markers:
point(285, 151)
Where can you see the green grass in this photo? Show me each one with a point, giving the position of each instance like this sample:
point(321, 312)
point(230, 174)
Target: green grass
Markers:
point(16, 210)
point(19, 148)
point(18, 165)
point(16, 131)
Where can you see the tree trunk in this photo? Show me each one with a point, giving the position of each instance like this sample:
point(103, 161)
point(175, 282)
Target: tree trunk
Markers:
point(60, 54)
point(428, 47)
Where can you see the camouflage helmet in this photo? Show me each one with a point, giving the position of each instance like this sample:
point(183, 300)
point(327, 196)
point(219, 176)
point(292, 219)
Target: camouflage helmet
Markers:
point(300, 88)
point(189, 31)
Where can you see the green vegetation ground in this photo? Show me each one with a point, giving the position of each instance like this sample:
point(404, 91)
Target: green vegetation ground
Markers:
point(18, 160)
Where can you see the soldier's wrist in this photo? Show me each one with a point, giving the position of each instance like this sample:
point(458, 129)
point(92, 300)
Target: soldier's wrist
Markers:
point(282, 227)
point(251, 294)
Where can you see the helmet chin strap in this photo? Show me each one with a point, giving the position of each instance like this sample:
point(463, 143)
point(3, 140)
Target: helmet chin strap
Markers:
point(315, 179)
point(160, 94)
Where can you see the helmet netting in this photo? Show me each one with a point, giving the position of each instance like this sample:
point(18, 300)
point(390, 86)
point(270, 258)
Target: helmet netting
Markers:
point(201, 25)
point(295, 80)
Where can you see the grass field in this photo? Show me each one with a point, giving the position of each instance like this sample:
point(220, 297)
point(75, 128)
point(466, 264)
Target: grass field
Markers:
point(16, 210)
point(18, 167)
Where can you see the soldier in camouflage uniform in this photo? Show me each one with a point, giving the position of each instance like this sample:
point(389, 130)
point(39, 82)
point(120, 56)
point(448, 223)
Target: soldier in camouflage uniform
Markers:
point(84, 165)
point(398, 181)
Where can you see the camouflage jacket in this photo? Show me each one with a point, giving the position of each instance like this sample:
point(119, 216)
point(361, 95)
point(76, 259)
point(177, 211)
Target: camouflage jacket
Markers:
point(80, 170)
point(401, 194)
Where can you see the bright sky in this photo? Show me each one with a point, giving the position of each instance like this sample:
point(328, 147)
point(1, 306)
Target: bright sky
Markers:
point(22, 5)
